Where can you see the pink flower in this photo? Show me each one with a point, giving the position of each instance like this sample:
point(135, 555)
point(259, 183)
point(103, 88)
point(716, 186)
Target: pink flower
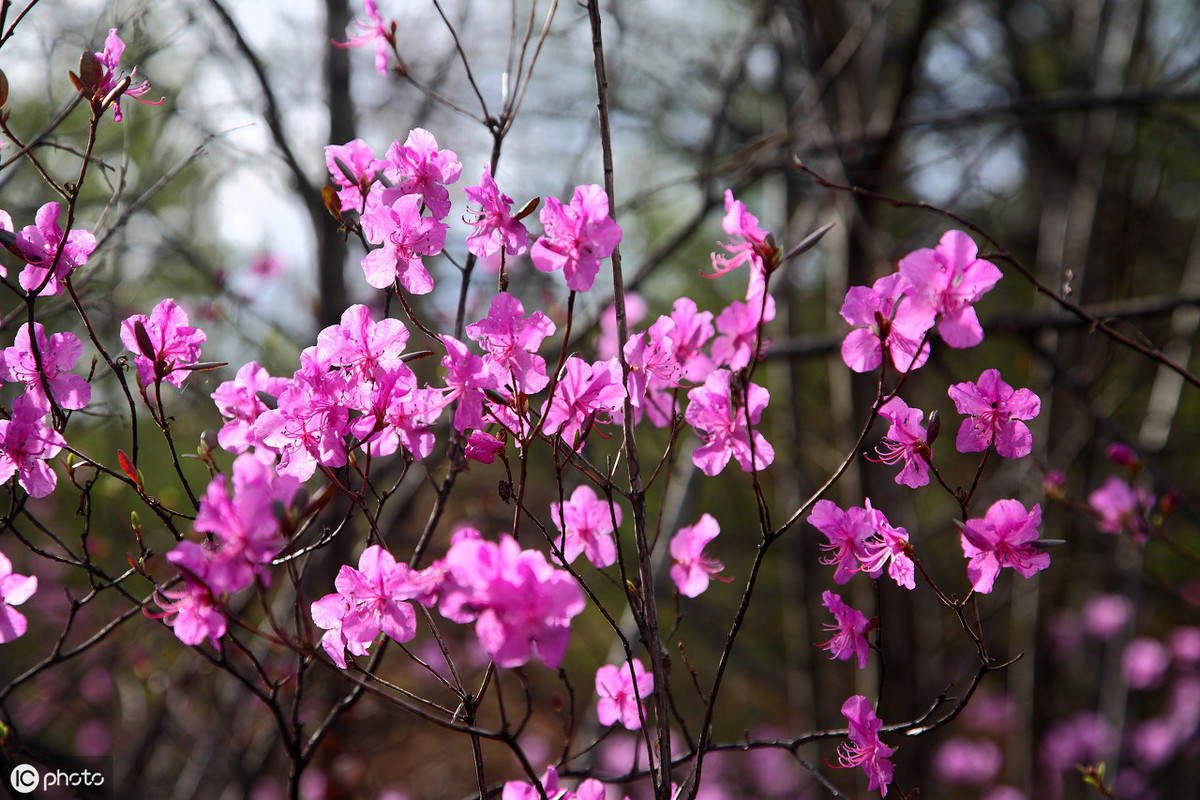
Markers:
point(418, 168)
point(947, 281)
point(994, 412)
point(693, 569)
point(482, 447)
point(494, 225)
point(905, 442)
point(511, 341)
point(620, 692)
point(58, 354)
point(885, 318)
point(1104, 615)
point(26, 443)
point(40, 245)
point(974, 762)
point(720, 420)
point(747, 243)
point(577, 237)
point(192, 612)
point(889, 548)
point(849, 630)
point(14, 590)
point(110, 61)
point(1144, 663)
point(738, 327)
point(692, 331)
point(586, 523)
point(864, 748)
point(467, 380)
point(1121, 507)
point(166, 345)
point(651, 359)
point(584, 394)
point(1003, 538)
point(373, 31)
point(238, 401)
point(357, 158)
point(847, 532)
point(520, 604)
point(406, 236)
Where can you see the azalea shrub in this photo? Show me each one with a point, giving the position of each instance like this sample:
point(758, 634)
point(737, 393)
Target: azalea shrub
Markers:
point(565, 554)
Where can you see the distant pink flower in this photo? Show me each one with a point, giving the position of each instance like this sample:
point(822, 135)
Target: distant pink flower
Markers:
point(719, 418)
point(494, 225)
point(1085, 738)
point(974, 762)
point(1003, 538)
point(864, 748)
point(14, 590)
point(1104, 615)
point(110, 62)
point(586, 523)
point(1144, 662)
point(948, 280)
point(577, 237)
point(1121, 455)
point(373, 31)
point(406, 237)
point(1121, 507)
point(58, 354)
point(169, 347)
point(905, 443)
point(849, 629)
point(693, 569)
point(419, 168)
point(26, 443)
point(885, 318)
point(620, 694)
point(40, 244)
point(994, 412)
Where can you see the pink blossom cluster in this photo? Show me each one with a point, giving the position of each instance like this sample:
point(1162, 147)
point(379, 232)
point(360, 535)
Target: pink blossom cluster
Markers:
point(590, 789)
point(50, 255)
point(938, 286)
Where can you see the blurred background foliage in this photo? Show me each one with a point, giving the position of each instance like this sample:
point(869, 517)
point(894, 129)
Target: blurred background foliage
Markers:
point(1066, 130)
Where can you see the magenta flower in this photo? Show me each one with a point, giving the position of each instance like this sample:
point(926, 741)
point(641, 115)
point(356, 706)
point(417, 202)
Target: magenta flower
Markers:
point(947, 281)
point(357, 158)
point(519, 602)
point(373, 31)
point(864, 748)
point(847, 532)
point(651, 360)
point(720, 420)
point(693, 569)
point(110, 60)
point(577, 237)
point(888, 548)
point(192, 612)
point(418, 168)
point(467, 380)
point(849, 629)
point(738, 326)
point(1144, 663)
point(885, 318)
point(1121, 507)
point(169, 345)
point(494, 225)
point(973, 762)
point(905, 442)
point(1003, 538)
point(511, 341)
point(238, 401)
point(586, 523)
point(406, 236)
point(26, 443)
point(583, 395)
point(58, 353)
point(40, 245)
point(693, 329)
point(620, 693)
point(482, 447)
point(994, 410)
point(14, 590)
point(747, 243)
